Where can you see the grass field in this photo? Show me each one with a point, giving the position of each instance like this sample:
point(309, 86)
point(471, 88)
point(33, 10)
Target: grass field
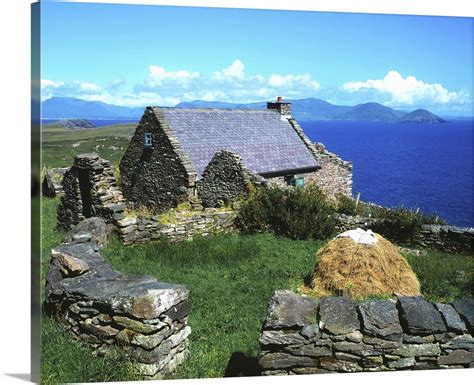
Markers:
point(60, 145)
point(231, 279)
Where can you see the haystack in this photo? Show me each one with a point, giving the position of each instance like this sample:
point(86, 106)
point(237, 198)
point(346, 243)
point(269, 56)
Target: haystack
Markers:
point(361, 264)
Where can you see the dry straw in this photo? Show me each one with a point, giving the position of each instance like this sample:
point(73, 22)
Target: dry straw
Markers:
point(358, 271)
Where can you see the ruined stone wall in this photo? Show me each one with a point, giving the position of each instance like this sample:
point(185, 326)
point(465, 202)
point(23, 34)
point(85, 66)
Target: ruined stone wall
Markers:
point(103, 307)
point(304, 335)
point(175, 225)
point(442, 237)
point(225, 180)
point(160, 177)
point(51, 185)
point(335, 175)
point(89, 189)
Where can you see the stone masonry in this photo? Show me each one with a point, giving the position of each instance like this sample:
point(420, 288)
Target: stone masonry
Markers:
point(90, 189)
point(159, 177)
point(175, 225)
point(225, 180)
point(103, 307)
point(51, 185)
point(305, 335)
point(335, 175)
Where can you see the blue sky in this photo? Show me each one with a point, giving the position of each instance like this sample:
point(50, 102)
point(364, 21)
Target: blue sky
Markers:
point(140, 55)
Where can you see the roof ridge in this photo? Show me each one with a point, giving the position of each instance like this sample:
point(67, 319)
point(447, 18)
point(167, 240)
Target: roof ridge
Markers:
point(216, 109)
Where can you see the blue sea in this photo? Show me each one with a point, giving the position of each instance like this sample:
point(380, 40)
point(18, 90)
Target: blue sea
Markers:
point(426, 166)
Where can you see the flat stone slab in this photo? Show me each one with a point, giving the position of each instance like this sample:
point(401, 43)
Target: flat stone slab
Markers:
point(465, 308)
point(421, 317)
point(380, 318)
point(95, 228)
point(338, 315)
point(452, 319)
point(289, 310)
point(284, 360)
point(281, 337)
point(417, 350)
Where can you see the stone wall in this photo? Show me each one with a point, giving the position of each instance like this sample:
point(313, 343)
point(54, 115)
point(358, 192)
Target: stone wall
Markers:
point(159, 177)
point(335, 175)
point(225, 180)
point(441, 237)
point(175, 225)
point(90, 189)
point(52, 182)
point(304, 335)
point(103, 307)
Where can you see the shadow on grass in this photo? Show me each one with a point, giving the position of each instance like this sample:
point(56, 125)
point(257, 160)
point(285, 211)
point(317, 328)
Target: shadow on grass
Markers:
point(240, 365)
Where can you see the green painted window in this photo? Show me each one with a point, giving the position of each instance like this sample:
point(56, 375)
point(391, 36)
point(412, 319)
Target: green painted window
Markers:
point(299, 181)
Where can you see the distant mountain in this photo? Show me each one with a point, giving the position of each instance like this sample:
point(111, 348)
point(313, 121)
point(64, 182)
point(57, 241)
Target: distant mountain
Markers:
point(64, 108)
point(302, 109)
point(309, 109)
point(421, 116)
point(372, 112)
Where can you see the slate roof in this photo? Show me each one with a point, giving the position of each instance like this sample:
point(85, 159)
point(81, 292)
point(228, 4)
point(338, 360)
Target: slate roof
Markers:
point(266, 142)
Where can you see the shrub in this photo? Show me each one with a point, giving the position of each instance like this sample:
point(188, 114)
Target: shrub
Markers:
point(297, 213)
point(347, 205)
point(397, 224)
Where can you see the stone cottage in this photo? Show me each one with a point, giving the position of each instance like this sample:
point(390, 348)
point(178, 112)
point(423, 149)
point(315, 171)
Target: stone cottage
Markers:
point(177, 154)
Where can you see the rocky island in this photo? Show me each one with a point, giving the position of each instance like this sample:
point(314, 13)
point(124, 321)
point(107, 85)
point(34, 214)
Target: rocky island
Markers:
point(421, 116)
point(75, 124)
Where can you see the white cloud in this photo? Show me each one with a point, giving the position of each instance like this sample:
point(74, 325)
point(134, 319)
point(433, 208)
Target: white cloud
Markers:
point(87, 87)
point(45, 83)
point(231, 83)
point(159, 76)
point(293, 81)
point(234, 71)
point(167, 87)
point(408, 91)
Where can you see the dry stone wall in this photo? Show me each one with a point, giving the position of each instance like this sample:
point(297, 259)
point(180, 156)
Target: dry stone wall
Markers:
point(304, 335)
point(103, 307)
point(176, 225)
point(225, 180)
point(90, 190)
point(441, 237)
point(335, 175)
point(51, 185)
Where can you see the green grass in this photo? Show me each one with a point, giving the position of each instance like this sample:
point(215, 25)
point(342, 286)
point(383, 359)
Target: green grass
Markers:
point(66, 360)
point(60, 145)
point(230, 279)
point(443, 277)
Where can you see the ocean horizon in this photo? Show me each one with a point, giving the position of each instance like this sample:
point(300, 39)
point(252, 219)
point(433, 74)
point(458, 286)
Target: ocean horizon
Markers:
point(425, 166)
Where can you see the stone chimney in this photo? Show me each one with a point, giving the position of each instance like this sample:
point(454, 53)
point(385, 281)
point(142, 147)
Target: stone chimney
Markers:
point(284, 108)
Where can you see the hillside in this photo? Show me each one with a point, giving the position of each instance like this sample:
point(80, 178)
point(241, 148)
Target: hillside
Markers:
point(421, 116)
point(372, 112)
point(309, 109)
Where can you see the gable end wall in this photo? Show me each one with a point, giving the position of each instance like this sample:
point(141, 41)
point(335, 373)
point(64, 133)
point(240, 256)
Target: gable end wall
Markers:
point(161, 177)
